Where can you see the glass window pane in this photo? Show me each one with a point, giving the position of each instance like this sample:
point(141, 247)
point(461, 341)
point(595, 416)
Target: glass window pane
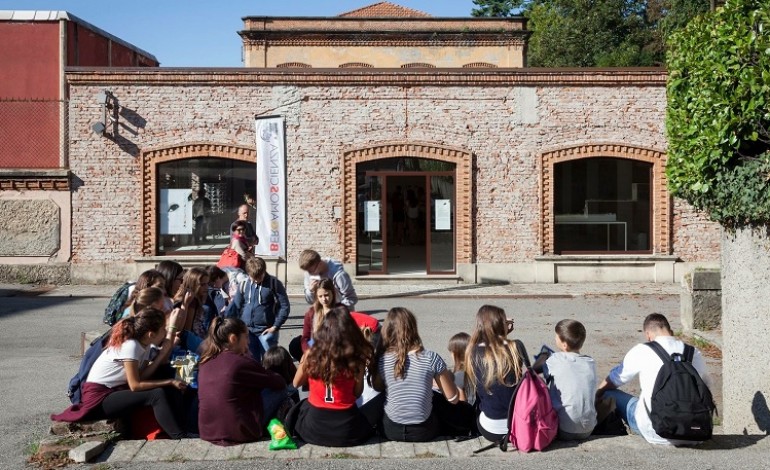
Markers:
point(602, 205)
point(198, 200)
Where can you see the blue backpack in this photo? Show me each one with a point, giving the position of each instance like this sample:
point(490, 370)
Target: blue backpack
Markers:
point(92, 353)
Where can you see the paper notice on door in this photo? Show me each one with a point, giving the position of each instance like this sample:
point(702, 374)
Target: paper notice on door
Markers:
point(372, 216)
point(443, 214)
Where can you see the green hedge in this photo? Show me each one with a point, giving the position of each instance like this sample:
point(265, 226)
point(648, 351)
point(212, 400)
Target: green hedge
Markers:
point(718, 117)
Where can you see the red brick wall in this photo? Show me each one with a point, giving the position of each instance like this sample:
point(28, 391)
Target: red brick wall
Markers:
point(505, 130)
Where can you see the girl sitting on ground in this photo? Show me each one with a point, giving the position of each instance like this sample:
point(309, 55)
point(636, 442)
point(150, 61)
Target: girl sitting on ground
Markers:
point(143, 298)
point(413, 412)
point(120, 379)
point(173, 273)
point(149, 278)
point(494, 365)
point(325, 299)
point(237, 397)
point(199, 311)
point(333, 369)
point(457, 346)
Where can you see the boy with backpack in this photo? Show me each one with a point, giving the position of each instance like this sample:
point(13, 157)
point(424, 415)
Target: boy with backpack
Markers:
point(675, 406)
point(571, 379)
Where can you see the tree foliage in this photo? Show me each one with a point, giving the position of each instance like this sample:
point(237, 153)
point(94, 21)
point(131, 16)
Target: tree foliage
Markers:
point(597, 33)
point(718, 113)
point(496, 8)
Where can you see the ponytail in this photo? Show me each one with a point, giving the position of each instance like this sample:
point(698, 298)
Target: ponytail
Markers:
point(219, 334)
point(146, 321)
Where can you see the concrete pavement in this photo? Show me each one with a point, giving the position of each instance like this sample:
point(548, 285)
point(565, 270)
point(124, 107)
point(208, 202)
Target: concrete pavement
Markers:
point(611, 312)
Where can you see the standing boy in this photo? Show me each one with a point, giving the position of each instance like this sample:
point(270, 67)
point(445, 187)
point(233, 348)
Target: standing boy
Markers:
point(261, 302)
point(316, 268)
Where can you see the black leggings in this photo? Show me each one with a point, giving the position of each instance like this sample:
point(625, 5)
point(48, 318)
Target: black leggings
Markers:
point(123, 402)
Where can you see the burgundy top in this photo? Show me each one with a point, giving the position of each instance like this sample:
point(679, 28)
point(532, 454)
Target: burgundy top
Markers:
point(92, 396)
point(230, 399)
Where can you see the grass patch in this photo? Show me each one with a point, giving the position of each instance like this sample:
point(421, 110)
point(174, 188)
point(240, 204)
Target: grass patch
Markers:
point(343, 455)
point(717, 420)
point(176, 458)
point(706, 347)
point(31, 448)
point(427, 455)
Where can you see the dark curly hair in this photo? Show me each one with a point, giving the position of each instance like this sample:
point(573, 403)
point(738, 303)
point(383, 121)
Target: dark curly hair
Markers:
point(339, 347)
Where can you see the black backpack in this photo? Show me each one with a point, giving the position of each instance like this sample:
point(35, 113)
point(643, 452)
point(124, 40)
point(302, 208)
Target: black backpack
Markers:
point(114, 309)
point(682, 405)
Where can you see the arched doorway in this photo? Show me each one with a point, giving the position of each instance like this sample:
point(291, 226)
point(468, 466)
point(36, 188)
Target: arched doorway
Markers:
point(406, 216)
point(407, 209)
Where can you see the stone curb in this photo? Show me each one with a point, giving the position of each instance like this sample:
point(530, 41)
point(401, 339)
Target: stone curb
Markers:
point(195, 450)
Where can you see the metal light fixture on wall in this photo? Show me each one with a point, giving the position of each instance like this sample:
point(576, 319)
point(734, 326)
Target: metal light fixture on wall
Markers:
point(108, 125)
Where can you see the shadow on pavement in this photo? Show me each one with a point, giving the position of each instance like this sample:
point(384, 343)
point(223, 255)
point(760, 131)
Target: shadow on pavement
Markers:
point(730, 441)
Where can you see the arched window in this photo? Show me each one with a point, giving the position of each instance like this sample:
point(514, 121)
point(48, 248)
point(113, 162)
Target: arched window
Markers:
point(355, 65)
point(479, 65)
point(198, 199)
point(602, 205)
point(418, 65)
point(293, 65)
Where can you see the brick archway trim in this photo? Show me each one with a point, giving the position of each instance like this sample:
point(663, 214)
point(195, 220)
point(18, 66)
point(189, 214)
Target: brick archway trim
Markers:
point(463, 160)
point(151, 158)
point(659, 197)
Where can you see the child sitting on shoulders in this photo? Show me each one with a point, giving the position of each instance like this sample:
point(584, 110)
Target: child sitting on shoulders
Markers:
point(457, 346)
point(572, 382)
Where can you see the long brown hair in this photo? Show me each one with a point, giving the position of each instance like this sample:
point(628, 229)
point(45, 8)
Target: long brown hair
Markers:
point(400, 336)
point(149, 278)
point(318, 317)
point(145, 298)
point(218, 338)
point(500, 357)
point(339, 347)
point(148, 320)
point(192, 281)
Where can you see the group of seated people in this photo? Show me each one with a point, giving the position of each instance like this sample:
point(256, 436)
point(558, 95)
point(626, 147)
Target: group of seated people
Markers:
point(362, 378)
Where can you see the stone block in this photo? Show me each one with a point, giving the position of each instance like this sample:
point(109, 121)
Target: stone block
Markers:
point(30, 227)
point(188, 450)
point(434, 449)
point(397, 450)
point(221, 453)
point(86, 428)
point(154, 451)
point(465, 448)
point(701, 300)
point(258, 450)
point(122, 451)
point(87, 451)
point(51, 273)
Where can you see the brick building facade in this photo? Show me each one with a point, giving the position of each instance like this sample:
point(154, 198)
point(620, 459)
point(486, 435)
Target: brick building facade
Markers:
point(504, 132)
point(480, 171)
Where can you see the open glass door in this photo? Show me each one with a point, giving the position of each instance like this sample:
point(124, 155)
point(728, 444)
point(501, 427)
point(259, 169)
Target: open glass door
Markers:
point(371, 237)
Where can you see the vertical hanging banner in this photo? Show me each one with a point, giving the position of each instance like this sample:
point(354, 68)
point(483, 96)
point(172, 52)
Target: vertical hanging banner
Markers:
point(271, 187)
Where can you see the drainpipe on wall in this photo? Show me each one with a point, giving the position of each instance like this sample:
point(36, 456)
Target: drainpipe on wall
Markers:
point(63, 121)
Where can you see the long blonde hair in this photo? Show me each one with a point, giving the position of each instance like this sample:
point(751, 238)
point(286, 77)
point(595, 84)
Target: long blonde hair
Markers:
point(400, 336)
point(318, 317)
point(500, 356)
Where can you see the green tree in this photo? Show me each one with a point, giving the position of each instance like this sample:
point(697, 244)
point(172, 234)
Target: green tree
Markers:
point(718, 113)
point(496, 8)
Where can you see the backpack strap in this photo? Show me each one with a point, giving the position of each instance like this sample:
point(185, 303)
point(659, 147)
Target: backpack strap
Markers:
point(688, 353)
point(662, 353)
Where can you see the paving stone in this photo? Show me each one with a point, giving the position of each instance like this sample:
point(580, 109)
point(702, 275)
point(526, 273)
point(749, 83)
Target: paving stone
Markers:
point(191, 450)
point(154, 451)
point(397, 450)
point(370, 450)
point(122, 451)
point(433, 449)
point(303, 451)
point(224, 452)
point(465, 448)
point(258, 450)
point(87, 451)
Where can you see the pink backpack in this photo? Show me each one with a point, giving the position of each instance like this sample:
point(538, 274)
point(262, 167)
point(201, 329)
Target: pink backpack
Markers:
point(533, 423)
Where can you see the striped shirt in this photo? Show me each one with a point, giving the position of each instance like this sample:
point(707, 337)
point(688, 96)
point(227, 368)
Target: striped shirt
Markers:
point(408, 400)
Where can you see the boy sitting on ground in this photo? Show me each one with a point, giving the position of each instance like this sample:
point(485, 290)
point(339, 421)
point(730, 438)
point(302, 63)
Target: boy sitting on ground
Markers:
point(571, 379)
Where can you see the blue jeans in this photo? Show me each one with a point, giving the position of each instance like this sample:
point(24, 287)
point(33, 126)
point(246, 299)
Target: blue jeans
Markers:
point(626, 405)
point(259, 343)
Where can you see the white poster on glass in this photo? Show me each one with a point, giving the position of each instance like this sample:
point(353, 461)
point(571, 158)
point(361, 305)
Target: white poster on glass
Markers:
point(443, 212)
point(372, 216)
point(270, 224)
point(176, 212)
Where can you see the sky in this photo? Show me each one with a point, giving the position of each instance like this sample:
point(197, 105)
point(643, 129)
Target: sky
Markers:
point(204, 33)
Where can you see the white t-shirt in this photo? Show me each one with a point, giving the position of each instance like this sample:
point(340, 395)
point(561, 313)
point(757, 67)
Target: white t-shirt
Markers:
point(642, 360)
point(108, 368)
